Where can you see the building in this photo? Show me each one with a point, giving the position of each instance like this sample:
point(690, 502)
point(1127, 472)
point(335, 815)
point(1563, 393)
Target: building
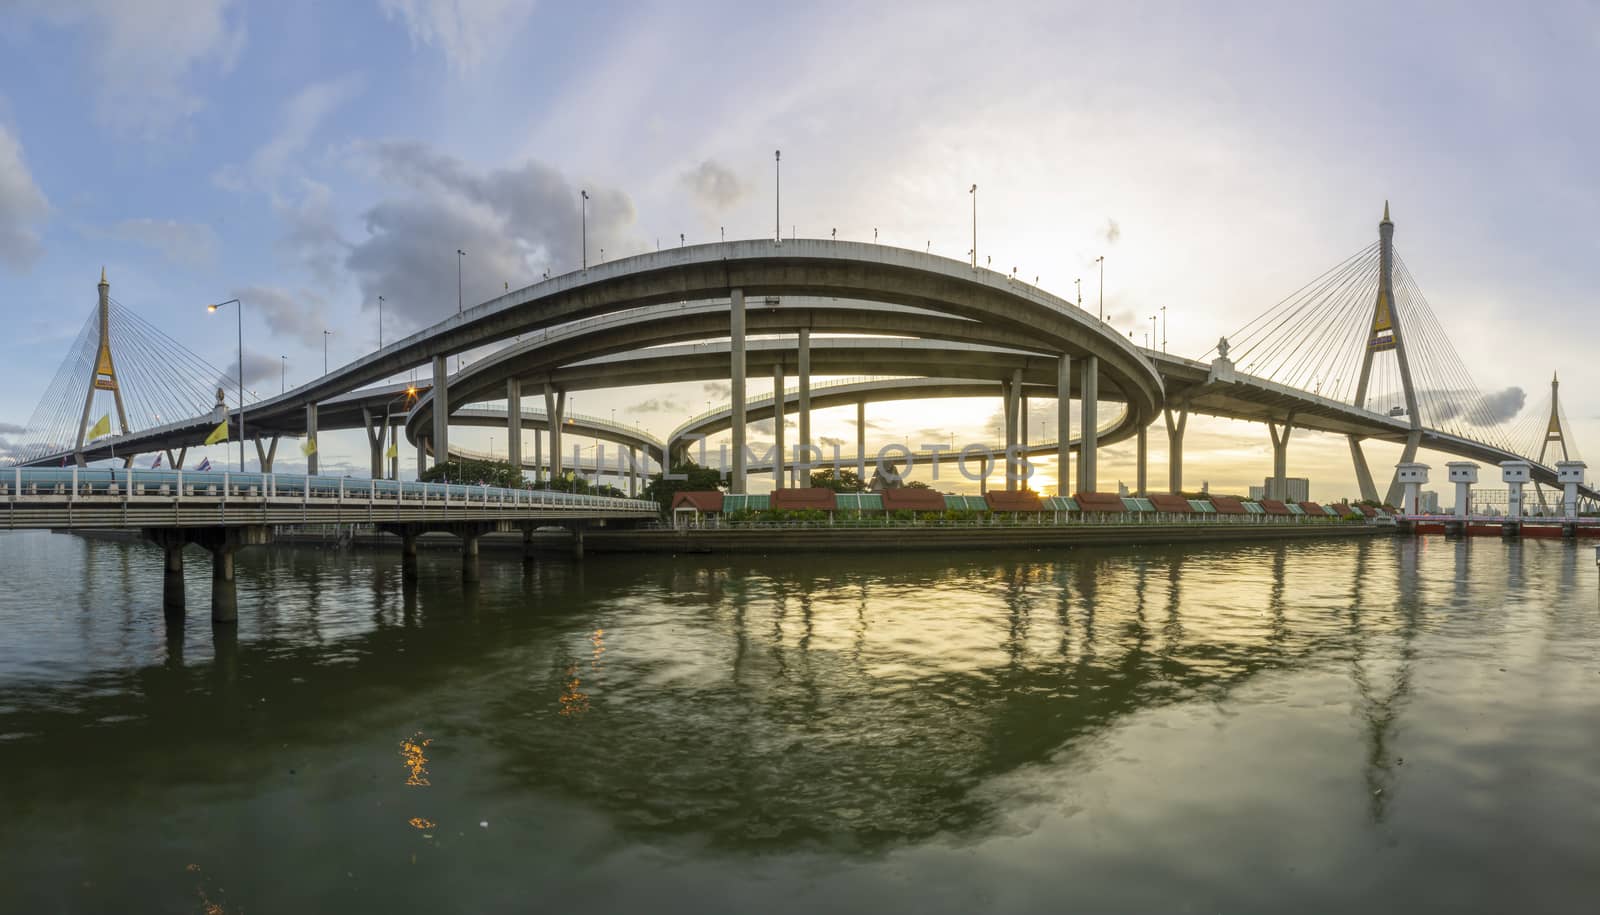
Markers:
point(1298, 490)
point(1428, 502)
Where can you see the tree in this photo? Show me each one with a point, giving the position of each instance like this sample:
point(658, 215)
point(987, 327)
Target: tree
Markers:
point(915, 484)
point(695, 479)
point(846, 481)
point(492, 473)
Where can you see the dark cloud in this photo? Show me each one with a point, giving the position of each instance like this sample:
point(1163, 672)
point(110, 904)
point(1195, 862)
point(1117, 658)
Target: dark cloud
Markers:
point(656, 405)
point(1503, 405)
point(1112, 232)
point(513, 224)
point(871, 423)
point(1442, 405)
point(258, 371)
point(12, 429)
point(312, 236)
point(713, 185)
point(717, 390)
point(289, 314)
point(829, 441)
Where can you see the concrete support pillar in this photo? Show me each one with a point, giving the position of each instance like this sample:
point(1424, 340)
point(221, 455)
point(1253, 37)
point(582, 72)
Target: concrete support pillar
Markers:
point(861, 443)
point(441, 412)
point(374, 443)
point(577, 542)
point(1012, 391)
point(469, 557)
point(514, 422)
point(633, 472)
point(394, 459)
point(983, 480)
point(173, 600)
point(1088, 422)
point(538, 456)
point(1369, 489)
point(736, 384)
point(1412, 476)
point(264, 456)
point(555, 408)
point(1515, 474)
point(803, 470)
point(408, 555)
point(1022, 414)
point(777, 424)
point(1175, 446)
point(1463, 474)
point(1064, 425)
point(311, 438)
point(1570, 475)
point(527, 542)
point(224, 596)
point(1141, 479)
point(1280, 457)
point(422, 455)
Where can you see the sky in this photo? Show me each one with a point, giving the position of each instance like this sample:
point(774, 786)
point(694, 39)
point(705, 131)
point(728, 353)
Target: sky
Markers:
point(308, 157)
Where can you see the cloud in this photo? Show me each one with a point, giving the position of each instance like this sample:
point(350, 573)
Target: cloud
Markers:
point(656, 405)
point(1112, 232)
point(297, 124)
point(512, 223)
point(12, 429)
point(288, 314)
point(718, 390)
point(713, 185)
point(187, 244)
point(871, 423)
point(828, 441)
point(469, 33)
point(22, 206)
point(313, 236)
point(1503, 405)
point(144, 57)
point(258, 370)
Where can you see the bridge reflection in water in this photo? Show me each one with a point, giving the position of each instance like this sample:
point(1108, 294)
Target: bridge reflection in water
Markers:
point(1130, 729)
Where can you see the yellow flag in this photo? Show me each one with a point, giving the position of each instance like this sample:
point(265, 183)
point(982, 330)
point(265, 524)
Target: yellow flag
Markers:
point(394, 450)
point(309, 448)
point(102, 426)
point(219, 434)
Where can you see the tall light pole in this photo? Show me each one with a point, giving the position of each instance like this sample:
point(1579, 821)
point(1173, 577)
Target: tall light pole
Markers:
point(1152, 327)
point(1101, 260)
point(283, 375)
point(1163, 328)
point(583, 230)
point(1079, 283)
point(459, 255)
point(974, 193)
point(325, 335)
point(777, 195)
point(380, 310)
point(238, 310)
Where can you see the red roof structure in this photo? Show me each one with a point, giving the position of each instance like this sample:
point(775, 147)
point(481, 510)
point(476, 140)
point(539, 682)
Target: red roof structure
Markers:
point(916, 500)
point(1228, 505)
point(1368, 510)
point(1312, 509)
point(808, 498)
point(1275, 507)
point(1343, 508)
point(1170, 502)
point(707, 502)
point(1106, 502)
point(1025, 500)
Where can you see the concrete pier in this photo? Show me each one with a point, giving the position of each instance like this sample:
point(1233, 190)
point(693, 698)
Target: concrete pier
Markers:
point(224, 593)
point(173, 599)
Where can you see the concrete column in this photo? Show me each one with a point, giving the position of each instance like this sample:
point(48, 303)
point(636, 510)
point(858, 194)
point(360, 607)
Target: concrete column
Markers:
point(408, 555)
point(224, 596)
point(538, 455)
point(1143, 450)
point(777, 423)
point(527, 541)
point(633, 472)
point(861, 442)
point(311, 436)
point(394, 461)
point(173, 599)
point(1463, 474)
point(264, 456)
point(514, 422)
point(1412, 477)
point(1088, 407)
point(555, 407)
point(1175, 447)
point(804, 469)
point(374, 444)
point(469, 557)
point(736, 384)
point(1280, 457)
point(1013, 410)
point(441, 412)
point(422, 455)
point(577, 542)
point(1064, 425)
point(1570, 475)
point(983, 480)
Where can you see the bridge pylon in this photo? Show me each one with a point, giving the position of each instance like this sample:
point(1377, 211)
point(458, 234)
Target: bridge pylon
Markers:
point(1385, 334)
point(1554, 431)
point(103, 377)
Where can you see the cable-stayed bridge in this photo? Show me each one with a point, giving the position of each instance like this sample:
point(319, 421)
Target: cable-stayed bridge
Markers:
point(1358, 351)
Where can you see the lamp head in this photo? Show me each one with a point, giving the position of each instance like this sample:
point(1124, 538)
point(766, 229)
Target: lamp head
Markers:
point(211, 308)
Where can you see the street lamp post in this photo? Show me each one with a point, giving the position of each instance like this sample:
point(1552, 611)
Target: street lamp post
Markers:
point(238, 310)
point(1163, 328)
point(583, 216)
point(409, 393)
point(283, 375)
point(380, 311)
point(777, 195)
point(325, 335)
point(1101, 260)
point(974, 193)
point(459, 255)
point(1152, 327)
point(1079, 284)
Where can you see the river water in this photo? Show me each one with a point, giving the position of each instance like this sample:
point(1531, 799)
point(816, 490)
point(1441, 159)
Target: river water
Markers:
point(1379, 725)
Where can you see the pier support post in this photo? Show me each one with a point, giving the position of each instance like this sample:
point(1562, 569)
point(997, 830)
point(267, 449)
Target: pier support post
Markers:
point(538, 456)
point(736, 384)
point(1142, 451)
point(514, 423)
point(469, 557)
point(577, 542)
point(408, 554)
point(1280, 457)
point(778, 474)
point(555, 407)
point(375, 436)
point(173, 600)
point(803, 469)
point(1175, 446)
point(1089, 392)
point(224, 593)
point(861, 444)
point(311, 438)
point(1012, 392)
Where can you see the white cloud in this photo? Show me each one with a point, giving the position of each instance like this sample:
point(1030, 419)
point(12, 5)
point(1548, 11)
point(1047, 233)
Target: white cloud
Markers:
point(298, 123)
point(144, 56)
point(287, 313)
point(185, 243)
point(22, 206)
point(469, 33)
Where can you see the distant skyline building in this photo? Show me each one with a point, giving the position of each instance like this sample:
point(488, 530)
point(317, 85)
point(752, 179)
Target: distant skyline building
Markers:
point(1298, 490)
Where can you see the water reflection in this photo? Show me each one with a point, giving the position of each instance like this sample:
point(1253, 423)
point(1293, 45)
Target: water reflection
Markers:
point(843, 704)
